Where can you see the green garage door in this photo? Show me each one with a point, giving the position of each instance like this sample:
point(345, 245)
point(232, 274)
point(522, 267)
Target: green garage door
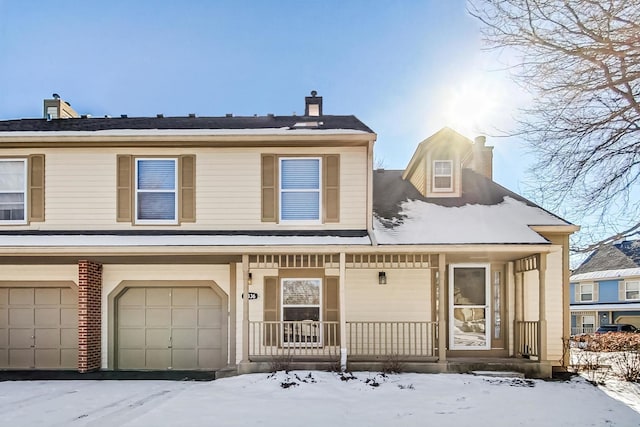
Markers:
point(38, 328)
point(170, 328)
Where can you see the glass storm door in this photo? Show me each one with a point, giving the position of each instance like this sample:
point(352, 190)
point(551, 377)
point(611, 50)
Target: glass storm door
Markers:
point(469, 293)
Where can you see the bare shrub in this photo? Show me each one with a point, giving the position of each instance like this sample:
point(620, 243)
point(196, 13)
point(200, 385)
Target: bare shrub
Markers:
point(280, 363)
point(599, 352)
point(393, 365)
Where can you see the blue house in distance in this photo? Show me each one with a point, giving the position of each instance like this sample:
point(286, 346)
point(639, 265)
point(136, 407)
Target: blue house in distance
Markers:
point(605, 289)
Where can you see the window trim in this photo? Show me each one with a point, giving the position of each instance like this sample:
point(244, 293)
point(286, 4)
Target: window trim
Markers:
point(319, 190)
point(24, 220)
point(176, 207)
point(434, 175)
point(319, 305)
point(627, 282)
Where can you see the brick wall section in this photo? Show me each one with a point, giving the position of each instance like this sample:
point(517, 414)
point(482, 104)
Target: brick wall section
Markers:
point(89, 315)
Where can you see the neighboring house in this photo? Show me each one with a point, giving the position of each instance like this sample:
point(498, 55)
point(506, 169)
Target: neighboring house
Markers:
point(605, 288)
point(202, 243)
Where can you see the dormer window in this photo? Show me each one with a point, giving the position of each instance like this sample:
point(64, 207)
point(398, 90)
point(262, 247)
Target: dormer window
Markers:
point(442, 175)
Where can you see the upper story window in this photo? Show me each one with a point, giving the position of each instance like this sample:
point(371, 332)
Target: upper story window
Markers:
point(156, 191)
point(632, 290)
point(442, 175)
point(585, 291)
point(300, 189)
point(13, 191)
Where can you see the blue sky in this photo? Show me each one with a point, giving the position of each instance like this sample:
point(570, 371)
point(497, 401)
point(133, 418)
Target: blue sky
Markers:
point(405, 68)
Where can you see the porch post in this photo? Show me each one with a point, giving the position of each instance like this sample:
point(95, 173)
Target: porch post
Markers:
point(442, 313)
point(542, 316)
point(343, 312)
point(245, 308)
point(233, 309)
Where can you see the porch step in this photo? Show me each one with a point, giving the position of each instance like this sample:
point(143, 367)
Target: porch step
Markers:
point(226, 372)
point(499, 374)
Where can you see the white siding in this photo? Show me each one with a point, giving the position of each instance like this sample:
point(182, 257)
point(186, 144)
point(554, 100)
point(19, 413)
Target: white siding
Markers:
point(554, 305)
point(405, 297)
point(80, 187)
point(40, 273)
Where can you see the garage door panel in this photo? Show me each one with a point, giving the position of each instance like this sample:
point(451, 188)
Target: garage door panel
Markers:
point(209, 357)
point(20, 338)
point(206, 296)
point(47, 337)
point(21, 296)
point(69, 358)
point(21, 358)
point(158, 317)
point(183, 338)
point(68, 317)
point(68, 296)
point(4, 296)
point(131, 358)
point(69, 338)
point(158, 338)
point(184, 359)
point(132, 297)
point(21, 316)
point(47, 316)
point(131, 338)
point(184, 297)
point(128, 317)
point(4, 340)
point(158, 358)
point(158, 297)
point(184, 317)
point(47, 296)
point(4, 317)
point(209, 317)
point(208, 337)
point(47, 358)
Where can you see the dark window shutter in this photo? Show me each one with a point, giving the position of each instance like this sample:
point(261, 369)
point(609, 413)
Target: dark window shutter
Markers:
point(124, 184)
point(36, 187)
point(331, 191)
point(269, 188)
point(271, 311)
point(187, 188)
point(331, 310)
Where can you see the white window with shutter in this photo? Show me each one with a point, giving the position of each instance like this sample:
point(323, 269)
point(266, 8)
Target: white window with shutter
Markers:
point(156, 191)
point(13, 191)
point(300, 190)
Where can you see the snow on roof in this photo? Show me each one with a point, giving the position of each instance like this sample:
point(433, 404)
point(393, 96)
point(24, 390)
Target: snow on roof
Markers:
point(182, 240)
point(187, 132)
point(607, 274)
point(428, 223)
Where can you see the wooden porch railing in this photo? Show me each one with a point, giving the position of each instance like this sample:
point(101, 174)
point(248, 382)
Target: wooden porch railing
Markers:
point(301, 338)
point(399, 339)
point(528, 339)
point(580, 330)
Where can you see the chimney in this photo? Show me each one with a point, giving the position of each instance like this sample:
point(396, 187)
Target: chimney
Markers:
point(313, 105)
point(482, 157)
point(56, 108)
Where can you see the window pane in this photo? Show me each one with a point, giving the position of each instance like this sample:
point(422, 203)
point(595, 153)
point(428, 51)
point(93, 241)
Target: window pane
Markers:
point(442, 182)
point(300, 174)
point(443, 168)
point(156, 206)
point(12, 176)
point(156, 174)
point(11, 206)
point(301, 313)
point(300, 206)
point(300, 292)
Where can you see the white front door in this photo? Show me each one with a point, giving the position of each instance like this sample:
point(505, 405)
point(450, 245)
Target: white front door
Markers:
point(469, 309)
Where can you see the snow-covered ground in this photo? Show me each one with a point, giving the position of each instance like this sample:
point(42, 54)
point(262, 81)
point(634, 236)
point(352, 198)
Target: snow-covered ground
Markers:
point(317, 399)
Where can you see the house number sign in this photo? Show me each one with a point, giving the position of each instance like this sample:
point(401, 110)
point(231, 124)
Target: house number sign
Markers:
point(251, 295)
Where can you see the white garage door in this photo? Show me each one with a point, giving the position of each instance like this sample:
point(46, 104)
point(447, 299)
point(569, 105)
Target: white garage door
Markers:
point(170, 328)
point(38, 328)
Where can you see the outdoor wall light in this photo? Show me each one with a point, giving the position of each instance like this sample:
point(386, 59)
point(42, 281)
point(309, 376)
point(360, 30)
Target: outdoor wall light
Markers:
point(382, 278)
point(250, 280)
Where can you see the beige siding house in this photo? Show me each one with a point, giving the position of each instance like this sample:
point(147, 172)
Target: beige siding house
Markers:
point(232, 243)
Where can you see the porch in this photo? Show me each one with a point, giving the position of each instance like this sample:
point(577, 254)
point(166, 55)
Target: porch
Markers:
point(377, 345)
